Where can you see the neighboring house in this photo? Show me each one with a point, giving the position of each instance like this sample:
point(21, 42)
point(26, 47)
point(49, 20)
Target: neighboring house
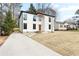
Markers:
point(39, 22)
point(66, 25)
point(72, 24)
point(60, 25)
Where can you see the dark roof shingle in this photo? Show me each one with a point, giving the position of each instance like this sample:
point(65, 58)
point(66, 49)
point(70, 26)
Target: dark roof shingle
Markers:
point(33, 13)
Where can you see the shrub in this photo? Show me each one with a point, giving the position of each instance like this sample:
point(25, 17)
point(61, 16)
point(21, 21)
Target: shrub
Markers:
point(16, 30)
point(9, 23)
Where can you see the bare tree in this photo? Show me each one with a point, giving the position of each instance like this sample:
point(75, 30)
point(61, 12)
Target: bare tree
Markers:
point(42, 6)
point(1, 17)
point(14, 7)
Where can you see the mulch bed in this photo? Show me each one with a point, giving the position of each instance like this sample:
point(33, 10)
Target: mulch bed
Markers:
point(2, 39)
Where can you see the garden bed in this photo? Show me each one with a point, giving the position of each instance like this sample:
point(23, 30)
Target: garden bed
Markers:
point(2, 39)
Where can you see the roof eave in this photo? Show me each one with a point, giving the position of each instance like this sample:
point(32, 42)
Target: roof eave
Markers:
point(33, 13)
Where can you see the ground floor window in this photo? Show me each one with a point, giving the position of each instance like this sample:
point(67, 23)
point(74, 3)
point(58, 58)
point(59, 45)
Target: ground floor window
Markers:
point(25, 25)
point(34, 26)
point(49, 26)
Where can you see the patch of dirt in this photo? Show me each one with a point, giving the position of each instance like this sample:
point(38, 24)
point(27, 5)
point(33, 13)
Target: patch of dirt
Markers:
point(2, 39)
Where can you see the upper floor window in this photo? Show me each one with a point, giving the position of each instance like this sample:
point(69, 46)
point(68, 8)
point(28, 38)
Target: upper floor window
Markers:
point(34, 18)
point(49, 19)
point(25, 16)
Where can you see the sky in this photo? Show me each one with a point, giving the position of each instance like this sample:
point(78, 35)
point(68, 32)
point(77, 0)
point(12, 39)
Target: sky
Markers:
point(64, 10)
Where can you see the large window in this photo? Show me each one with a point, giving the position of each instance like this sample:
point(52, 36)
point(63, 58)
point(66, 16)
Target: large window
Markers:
point(49, 19)
point(25, 25)
point(25, 16)
point(34, 18)
point(34, 26)
point(49, 26)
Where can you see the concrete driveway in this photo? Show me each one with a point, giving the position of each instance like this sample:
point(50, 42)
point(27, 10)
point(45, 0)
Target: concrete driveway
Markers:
point(18, 44)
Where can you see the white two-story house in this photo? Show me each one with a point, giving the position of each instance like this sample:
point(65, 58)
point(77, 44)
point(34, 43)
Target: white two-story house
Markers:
point(39, 22)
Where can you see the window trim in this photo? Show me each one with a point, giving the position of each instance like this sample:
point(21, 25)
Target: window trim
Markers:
point(25, 17)
point(49, 26)
point(49, 19)
point(25, 27)
point(34, 18)
point(34, 27)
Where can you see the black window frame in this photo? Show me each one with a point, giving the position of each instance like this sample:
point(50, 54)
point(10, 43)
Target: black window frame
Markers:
point(34, 26)
point(49, 26)
point(25, 16)
point(34, 18)
point(25, 25)
point(49, 19)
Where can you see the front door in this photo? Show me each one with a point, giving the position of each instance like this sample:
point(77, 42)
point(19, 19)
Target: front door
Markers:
point(39, 27)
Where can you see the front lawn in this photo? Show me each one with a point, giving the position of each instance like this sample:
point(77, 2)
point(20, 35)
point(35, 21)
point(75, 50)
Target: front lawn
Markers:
point(64, 42)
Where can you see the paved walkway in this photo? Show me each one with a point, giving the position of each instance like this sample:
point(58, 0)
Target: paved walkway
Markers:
point(18, 44)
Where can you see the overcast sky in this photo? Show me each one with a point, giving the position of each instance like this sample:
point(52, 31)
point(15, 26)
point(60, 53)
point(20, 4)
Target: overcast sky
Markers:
point(64, 10)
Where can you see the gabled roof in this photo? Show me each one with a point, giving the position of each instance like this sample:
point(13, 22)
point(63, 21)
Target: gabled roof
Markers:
point(34, 14)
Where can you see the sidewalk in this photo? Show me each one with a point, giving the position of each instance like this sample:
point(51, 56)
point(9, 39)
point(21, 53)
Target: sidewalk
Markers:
point(18, 44)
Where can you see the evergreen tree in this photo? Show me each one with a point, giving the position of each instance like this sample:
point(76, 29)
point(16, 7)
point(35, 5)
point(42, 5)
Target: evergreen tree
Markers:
point(32, 9)
point(9, 23)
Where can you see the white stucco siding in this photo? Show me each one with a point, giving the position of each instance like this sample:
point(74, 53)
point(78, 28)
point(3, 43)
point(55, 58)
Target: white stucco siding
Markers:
point(43, 24)
point(21, 23)
point(52, 24)
point(40, 22)
point(30, 23)
point(55, 25)
point(46, 27)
